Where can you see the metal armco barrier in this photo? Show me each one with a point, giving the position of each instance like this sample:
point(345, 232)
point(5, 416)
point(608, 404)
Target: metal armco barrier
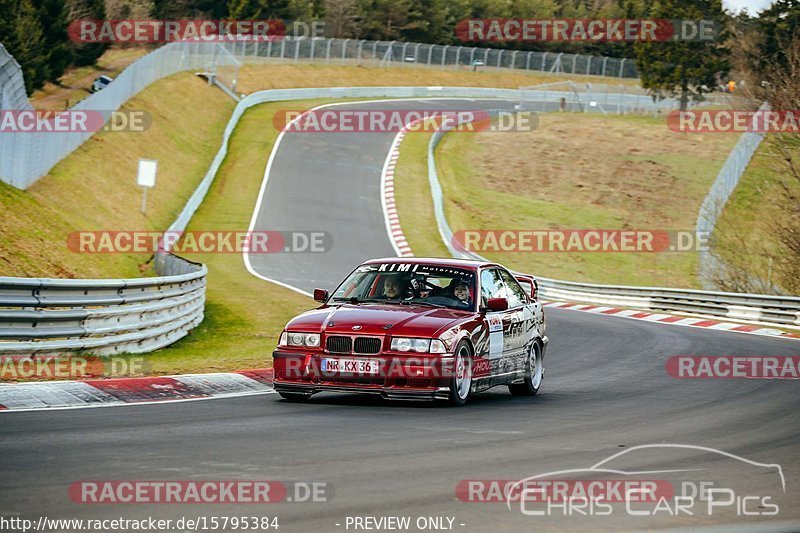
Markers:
point(765, 309)
point(102, 316)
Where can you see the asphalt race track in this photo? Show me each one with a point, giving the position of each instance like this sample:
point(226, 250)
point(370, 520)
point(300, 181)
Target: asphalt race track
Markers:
point(606, 391)
point(331, 182)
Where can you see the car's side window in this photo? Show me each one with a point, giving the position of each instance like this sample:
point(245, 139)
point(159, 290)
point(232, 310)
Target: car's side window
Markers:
point(491, 285)
point(516, 295)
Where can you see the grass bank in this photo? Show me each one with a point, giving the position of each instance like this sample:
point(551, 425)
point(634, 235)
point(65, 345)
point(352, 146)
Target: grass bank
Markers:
point(575, 171)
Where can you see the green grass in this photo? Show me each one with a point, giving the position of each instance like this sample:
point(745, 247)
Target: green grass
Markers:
point(95, 187)
point(244, 314)
point(573, 172)
point(413, 197)
point(746, 235)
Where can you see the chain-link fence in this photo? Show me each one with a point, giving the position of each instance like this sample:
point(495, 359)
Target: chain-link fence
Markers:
point(430, 55)
point(599, 98)
point(710, 266)
point(12, 86)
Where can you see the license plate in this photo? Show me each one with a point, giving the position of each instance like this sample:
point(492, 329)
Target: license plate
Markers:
point(351, 366)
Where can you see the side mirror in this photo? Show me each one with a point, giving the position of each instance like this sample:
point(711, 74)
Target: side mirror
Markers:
point(321, 295)
point(497, 304)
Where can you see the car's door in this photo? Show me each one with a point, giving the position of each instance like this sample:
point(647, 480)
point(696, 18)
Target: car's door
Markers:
point(523, 320)
point(501, 325)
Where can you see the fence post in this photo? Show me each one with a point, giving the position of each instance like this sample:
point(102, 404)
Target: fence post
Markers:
point(416, 53)
point(297, 48)
point(360, 46)
point(622, 66)
point(458, 55)
point(328, 51)
point(374, 50)
point(430, 53)
point(403, 53)
point(499, 58)
point(588, 64)
point(528, 61)
point(605, 60)
point(514, 59)
point(444, 53)
point(544, 61)
point(283, 48)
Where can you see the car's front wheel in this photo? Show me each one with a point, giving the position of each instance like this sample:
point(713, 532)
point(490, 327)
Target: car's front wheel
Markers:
point(534, 374)
point(461, 382)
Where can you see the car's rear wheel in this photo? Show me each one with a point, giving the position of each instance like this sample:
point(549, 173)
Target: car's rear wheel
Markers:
point(461, 382)
point(294, 396)
point(534, 374)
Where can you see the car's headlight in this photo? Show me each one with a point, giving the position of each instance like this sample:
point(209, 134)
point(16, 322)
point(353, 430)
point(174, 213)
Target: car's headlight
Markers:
point(299, 340)
point(438, 346)
point(406, 344)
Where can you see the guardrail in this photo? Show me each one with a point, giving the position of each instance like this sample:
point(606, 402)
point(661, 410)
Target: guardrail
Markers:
point(102, 316)
point(760, 308)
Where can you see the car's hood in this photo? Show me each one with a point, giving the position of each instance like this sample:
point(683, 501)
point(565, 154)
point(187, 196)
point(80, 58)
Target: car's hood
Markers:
point(377, 319)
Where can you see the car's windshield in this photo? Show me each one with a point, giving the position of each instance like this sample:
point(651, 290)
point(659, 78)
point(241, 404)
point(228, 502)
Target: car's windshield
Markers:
point(410, 283)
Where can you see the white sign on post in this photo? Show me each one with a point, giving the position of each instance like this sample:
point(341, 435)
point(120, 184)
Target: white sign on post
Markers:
point(146, 177)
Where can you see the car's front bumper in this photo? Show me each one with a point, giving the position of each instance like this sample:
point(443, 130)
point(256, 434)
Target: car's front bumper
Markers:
point(390, 393)
point(426, 379)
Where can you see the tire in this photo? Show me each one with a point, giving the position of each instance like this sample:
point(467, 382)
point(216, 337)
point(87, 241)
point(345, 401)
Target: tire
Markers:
point(294, 396)
point(461, 382)
point(534, 374)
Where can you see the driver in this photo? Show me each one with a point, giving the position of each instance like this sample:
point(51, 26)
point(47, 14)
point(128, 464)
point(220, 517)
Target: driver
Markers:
point(391, 287)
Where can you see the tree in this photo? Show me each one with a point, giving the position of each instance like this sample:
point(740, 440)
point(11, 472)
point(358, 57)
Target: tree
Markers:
point(86, 53)
point(341, 18)
point(386, 20)
point(778, 25)
point(684, 68)
point(53, 16)
point(30, 50)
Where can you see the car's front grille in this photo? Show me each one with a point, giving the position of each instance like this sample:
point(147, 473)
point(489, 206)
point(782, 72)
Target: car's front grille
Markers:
point(339, 344)
point(358, 345)
point(367, 345)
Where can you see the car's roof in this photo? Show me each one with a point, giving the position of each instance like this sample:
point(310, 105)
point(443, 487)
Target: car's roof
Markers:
point(460, 263)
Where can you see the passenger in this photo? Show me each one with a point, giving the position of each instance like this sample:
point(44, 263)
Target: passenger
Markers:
point(461, 291)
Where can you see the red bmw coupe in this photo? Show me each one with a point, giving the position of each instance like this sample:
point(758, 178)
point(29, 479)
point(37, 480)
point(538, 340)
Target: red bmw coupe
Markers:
point(417, 329)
